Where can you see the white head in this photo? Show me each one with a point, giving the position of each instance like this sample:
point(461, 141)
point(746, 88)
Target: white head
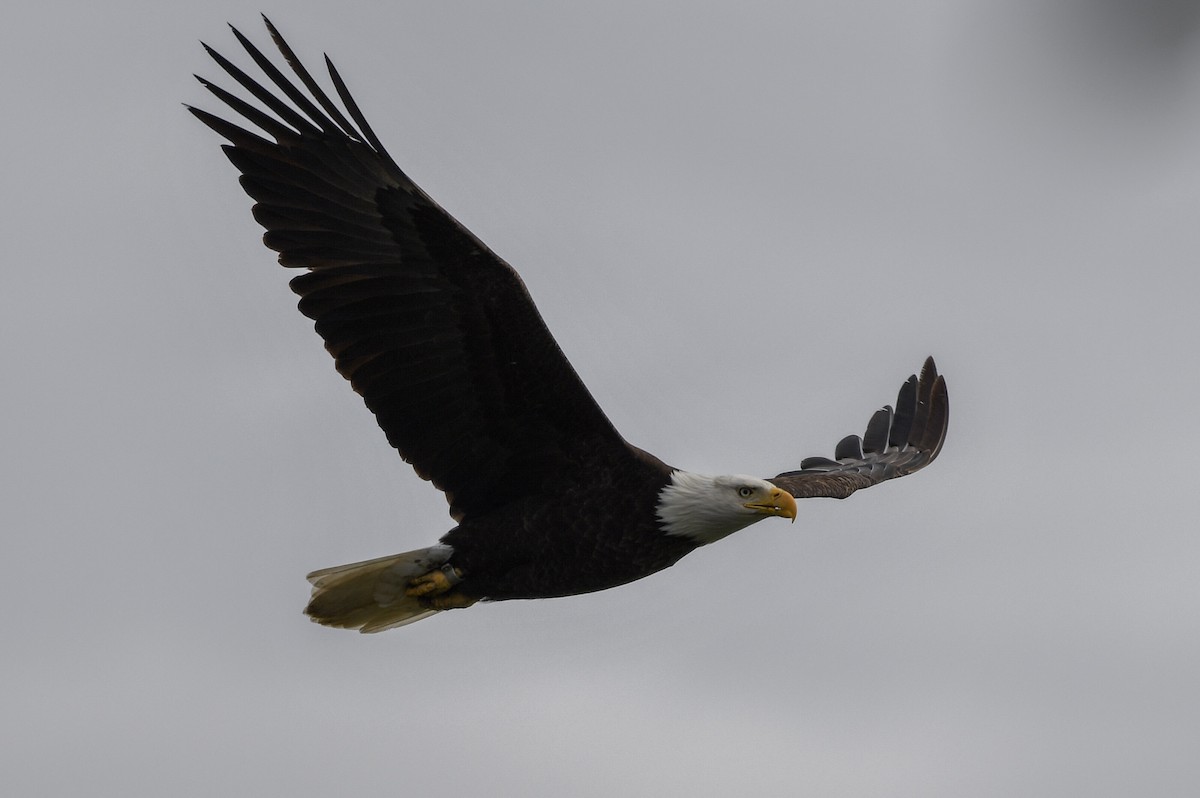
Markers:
point(706, 509)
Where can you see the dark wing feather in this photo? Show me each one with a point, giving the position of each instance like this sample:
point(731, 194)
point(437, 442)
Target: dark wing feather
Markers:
point(897, 442)
point(436, 332)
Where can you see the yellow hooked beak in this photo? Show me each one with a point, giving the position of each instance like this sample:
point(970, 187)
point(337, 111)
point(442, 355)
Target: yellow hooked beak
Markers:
point(779, 502)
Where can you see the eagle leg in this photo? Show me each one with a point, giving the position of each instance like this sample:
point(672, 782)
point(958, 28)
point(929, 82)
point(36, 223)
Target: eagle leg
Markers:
point(434, 583)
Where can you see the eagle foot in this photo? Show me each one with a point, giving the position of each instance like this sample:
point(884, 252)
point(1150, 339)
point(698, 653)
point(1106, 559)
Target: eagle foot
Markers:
point(449, 601)
point(434, 583)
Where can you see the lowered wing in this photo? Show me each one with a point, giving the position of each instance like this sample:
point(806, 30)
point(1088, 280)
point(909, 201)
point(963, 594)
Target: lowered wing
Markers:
point(897, 442)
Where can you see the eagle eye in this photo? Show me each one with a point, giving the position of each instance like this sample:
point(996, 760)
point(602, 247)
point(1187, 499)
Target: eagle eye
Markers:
point(745, 492)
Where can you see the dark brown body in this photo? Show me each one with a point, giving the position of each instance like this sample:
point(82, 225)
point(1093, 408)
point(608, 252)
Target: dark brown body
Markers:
point(592, 527)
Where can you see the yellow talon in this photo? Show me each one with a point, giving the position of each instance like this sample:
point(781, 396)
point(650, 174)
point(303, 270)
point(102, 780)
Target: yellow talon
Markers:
point(450, 601)
point(433, 583)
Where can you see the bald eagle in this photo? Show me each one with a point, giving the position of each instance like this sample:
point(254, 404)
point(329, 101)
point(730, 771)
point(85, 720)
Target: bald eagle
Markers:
point(441, 339)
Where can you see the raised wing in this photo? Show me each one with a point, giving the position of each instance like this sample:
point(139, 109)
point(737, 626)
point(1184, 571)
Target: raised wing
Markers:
point(435, 331)
point(897, 442)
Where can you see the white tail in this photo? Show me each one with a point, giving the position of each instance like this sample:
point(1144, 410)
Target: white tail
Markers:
point(369, 596)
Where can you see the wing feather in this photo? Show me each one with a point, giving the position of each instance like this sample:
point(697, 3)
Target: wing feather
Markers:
point(897, 443)
point(438, 334)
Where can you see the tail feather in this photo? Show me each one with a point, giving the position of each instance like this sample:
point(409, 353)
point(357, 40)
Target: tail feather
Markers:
point(369, 595)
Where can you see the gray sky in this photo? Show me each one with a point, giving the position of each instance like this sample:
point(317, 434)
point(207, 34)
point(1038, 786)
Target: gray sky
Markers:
point(745, 228)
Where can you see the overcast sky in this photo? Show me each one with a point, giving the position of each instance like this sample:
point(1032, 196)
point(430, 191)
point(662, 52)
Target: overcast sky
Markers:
point(746, 228)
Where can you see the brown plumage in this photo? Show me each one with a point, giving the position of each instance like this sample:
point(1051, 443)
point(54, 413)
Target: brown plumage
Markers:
point(441, 339)
point(897, 442)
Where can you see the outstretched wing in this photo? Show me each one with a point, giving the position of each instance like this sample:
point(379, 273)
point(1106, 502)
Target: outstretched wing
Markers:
point(435, 331)
point(897, 442)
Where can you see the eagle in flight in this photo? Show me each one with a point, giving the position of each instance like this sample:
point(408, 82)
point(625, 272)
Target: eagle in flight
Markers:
point(443, 342)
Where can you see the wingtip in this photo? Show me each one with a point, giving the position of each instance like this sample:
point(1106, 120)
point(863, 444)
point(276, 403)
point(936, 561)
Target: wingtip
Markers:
point(240, 37)
point(939, 414)
point(938, 392)
point(878, 434)
point(849, 447)
point(941, 394)
point(929, 369)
